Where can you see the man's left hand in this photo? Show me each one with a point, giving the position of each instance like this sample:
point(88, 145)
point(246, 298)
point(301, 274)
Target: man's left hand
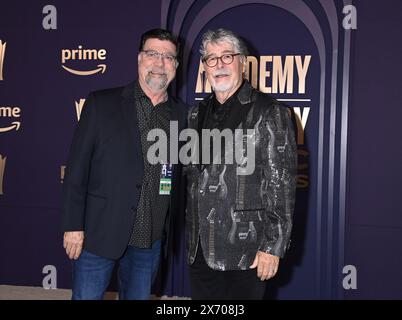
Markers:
point(267, 265)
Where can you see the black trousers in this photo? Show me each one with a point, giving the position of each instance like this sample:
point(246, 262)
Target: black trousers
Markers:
point(210, 284)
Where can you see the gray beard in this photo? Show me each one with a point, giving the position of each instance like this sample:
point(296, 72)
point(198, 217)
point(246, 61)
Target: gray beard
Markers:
point(222, 87)
point(156, 84)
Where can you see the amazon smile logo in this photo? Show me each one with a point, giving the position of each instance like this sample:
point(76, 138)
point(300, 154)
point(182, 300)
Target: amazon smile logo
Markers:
point(10, 112)
point(83, 54)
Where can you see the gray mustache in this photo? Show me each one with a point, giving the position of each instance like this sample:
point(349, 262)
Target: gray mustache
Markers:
point(160, 71)
point(222, 73)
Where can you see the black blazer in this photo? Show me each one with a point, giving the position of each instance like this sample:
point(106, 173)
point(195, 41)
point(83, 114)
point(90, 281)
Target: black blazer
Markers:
point(103, 178)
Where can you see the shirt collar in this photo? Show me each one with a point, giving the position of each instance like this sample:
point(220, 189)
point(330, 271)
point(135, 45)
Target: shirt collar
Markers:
point(139, 93)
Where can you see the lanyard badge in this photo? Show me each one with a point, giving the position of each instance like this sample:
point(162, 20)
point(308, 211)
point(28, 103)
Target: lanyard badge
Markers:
point(165, 182)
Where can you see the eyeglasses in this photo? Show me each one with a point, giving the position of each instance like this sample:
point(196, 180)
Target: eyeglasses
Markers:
point(155, 55)
point(226, 59)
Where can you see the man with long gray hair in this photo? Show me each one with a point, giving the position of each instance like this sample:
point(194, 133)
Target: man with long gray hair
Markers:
point(238, 225)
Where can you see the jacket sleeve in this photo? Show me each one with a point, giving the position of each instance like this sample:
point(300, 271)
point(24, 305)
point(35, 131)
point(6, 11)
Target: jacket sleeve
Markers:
point(78, 168)
point(281, 177)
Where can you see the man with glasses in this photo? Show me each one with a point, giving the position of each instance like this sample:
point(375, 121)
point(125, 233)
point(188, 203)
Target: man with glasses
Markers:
point(238, 224)
point(115, 202)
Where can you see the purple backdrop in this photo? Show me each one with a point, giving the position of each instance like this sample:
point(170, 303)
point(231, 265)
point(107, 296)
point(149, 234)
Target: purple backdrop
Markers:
point(347, 215)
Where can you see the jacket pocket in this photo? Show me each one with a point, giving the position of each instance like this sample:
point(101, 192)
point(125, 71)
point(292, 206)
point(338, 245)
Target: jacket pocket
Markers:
point(96, 195)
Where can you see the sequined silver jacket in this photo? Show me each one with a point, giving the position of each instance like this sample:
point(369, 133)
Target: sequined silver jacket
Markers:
point(231, 215)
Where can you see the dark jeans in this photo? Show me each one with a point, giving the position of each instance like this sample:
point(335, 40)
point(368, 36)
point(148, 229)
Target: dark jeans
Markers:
point(209, 284)
point(137, 271)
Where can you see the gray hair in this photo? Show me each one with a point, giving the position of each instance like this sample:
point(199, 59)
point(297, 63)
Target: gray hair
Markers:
point(222, 35)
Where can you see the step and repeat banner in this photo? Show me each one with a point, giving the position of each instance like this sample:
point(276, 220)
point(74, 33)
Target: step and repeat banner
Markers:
point(53, 54)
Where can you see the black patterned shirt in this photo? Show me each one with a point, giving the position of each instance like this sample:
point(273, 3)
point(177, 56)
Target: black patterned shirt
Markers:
point(152, 207)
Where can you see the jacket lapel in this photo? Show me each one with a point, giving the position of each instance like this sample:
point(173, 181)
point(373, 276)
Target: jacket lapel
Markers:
point(204, 109)
point(246, 98)
point(131, 120)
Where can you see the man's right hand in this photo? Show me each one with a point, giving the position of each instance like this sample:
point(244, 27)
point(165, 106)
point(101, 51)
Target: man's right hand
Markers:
point(73, 241)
